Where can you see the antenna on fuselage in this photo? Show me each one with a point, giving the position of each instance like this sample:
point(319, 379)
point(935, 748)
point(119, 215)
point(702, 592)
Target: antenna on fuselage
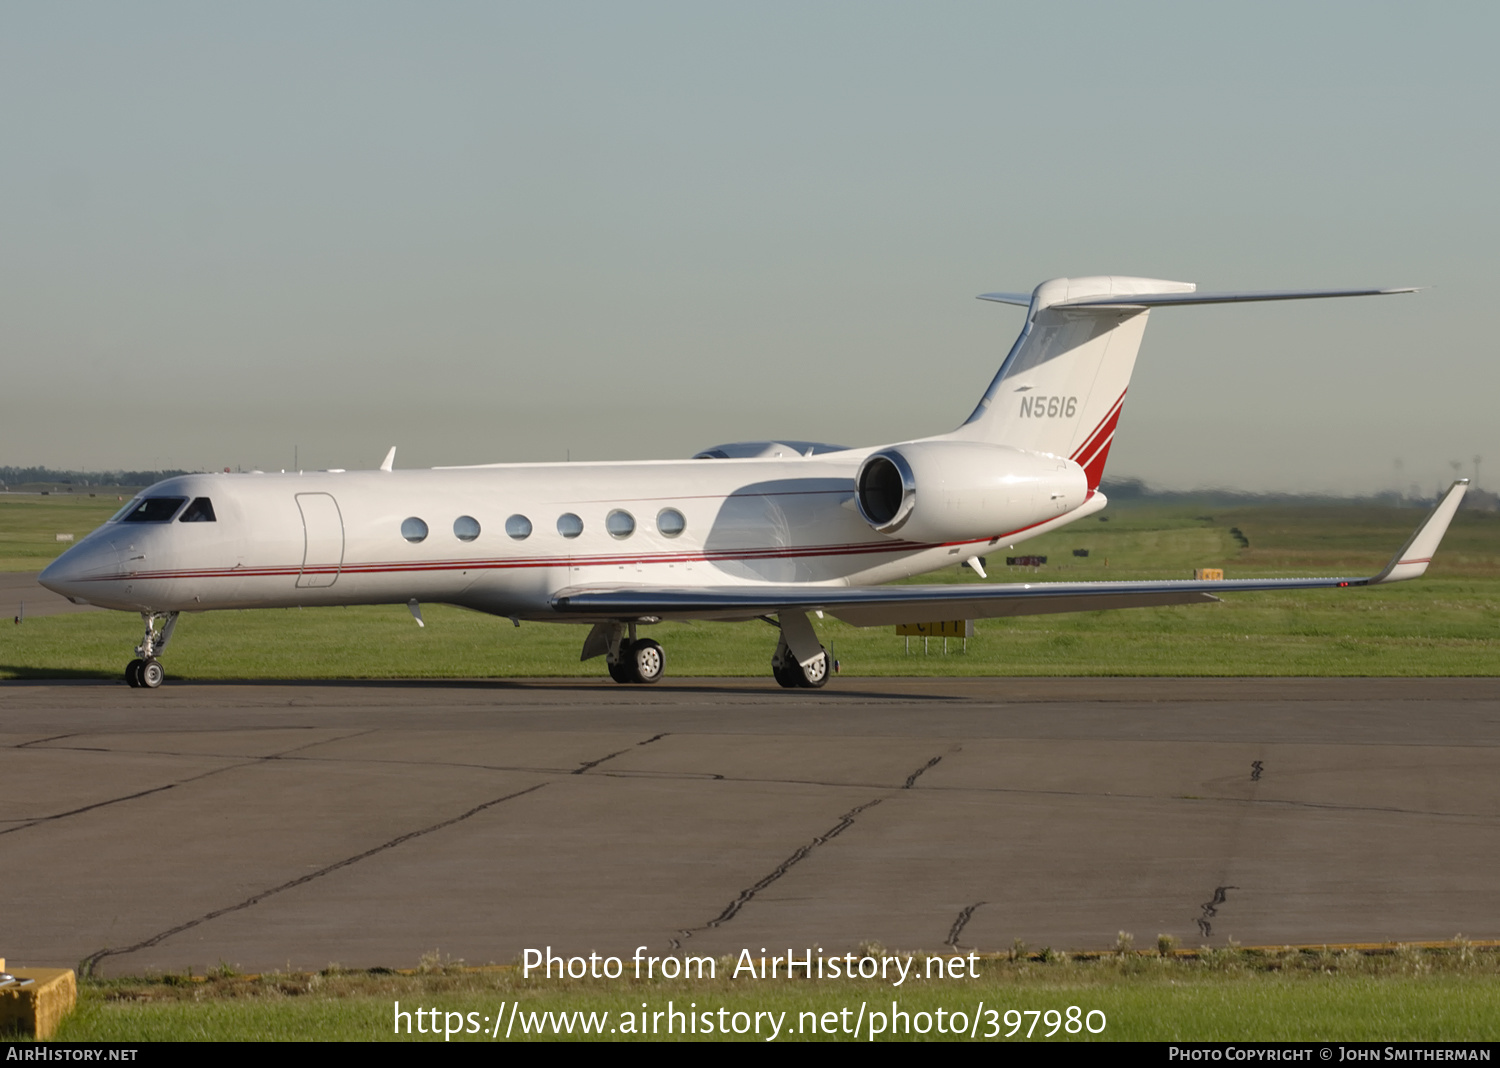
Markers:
point(389, 462)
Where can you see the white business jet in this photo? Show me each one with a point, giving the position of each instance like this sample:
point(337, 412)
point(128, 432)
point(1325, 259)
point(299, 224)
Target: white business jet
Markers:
point(761, 530)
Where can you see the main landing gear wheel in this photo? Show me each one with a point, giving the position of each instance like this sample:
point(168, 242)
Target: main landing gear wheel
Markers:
point(793, 675)
point(133, 672)
point(645, 660)
point(619, 670)
point(815, 674)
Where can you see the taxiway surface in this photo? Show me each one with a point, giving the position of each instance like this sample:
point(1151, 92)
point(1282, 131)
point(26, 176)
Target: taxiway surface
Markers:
point(21, 597)
point(274, 826)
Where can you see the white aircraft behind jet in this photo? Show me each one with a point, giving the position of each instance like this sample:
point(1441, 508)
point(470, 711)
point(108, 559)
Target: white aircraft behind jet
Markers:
point(768, 530)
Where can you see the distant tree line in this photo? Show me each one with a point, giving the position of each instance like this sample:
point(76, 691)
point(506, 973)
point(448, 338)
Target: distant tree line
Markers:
point(1133, 489)
point(17, 476)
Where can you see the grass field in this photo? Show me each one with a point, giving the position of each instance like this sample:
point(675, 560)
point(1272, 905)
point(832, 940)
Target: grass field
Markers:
point(1401, 994)
point(1447, 623)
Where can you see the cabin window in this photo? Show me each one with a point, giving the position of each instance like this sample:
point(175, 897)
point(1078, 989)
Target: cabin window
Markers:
point(569, 525)
point(200, 511)
point(466, 528)
point(413, 529)
point(670, 522)
point(518, 527)
point(620, 524)
point(154, 510)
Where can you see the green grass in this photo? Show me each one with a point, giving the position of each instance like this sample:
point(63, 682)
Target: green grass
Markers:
point(1445, 624)
point(30, 524)
point(1403, 994)
point(1433, 628)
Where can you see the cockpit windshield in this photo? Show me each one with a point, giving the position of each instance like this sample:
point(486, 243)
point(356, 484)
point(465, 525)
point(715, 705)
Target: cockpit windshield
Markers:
point(154, 510)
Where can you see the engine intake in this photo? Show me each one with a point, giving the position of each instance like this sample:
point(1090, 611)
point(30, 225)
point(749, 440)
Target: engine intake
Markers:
point(886, 491)
point(968, 490)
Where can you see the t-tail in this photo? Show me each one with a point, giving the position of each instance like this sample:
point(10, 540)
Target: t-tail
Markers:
point(1061, 389)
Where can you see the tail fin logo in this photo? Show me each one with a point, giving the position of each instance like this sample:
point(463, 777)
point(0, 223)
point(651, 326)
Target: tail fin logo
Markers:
point(1095, 449)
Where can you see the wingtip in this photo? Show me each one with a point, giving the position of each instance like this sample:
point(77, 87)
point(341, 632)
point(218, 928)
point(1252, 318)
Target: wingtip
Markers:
point(1411, 562)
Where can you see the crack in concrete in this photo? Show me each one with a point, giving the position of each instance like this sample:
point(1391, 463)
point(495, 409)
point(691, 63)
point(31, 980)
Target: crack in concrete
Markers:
point(1256, 768)
point(595, 763)
point(87, 808)
point(746, 895)
point(39, 741)
point(911, 780)
point(960, 923)
point(159, 789)
point(86, 966)
point(1211, 909)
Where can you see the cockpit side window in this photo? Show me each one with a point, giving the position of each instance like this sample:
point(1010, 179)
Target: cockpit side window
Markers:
point(155, 510)
point(123, 512)
point(200, 511)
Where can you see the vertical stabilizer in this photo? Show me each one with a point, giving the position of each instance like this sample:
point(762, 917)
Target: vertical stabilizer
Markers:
point(1061, 388)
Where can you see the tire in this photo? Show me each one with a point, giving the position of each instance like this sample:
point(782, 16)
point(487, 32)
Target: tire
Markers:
point(133, 673)
point(620, 670)
point(787, 675)
point(151, 674)
point(815, 675)
point(647, 661)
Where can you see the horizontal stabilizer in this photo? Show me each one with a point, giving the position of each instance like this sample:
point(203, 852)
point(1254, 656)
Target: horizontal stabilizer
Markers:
point(1157, 300)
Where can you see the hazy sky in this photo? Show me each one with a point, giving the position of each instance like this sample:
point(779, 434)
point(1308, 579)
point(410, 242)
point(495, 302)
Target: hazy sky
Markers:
point(485, 231)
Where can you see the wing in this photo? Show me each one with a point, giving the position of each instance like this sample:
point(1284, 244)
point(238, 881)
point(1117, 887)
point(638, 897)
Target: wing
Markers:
point(873, 606)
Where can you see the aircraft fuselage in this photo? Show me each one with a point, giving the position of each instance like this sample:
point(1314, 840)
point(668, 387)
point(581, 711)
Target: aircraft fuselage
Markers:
point(500, 539)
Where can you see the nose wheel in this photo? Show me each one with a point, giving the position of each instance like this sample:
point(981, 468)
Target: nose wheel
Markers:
point(145, 671)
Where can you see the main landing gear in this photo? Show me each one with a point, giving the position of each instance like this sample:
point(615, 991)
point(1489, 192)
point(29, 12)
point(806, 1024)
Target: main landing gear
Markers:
point(800, 661)
point(145, 670)
point(630, 659)
point(639, 660)
point(794, 675)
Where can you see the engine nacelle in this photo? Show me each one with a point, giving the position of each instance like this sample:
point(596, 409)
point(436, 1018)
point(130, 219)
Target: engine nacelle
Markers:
point(945, 491)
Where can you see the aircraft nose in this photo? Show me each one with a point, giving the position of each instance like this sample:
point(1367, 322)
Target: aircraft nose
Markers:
point(68, 574)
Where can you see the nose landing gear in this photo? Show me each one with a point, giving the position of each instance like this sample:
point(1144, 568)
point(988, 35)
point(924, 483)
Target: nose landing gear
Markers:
point(145, 670)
